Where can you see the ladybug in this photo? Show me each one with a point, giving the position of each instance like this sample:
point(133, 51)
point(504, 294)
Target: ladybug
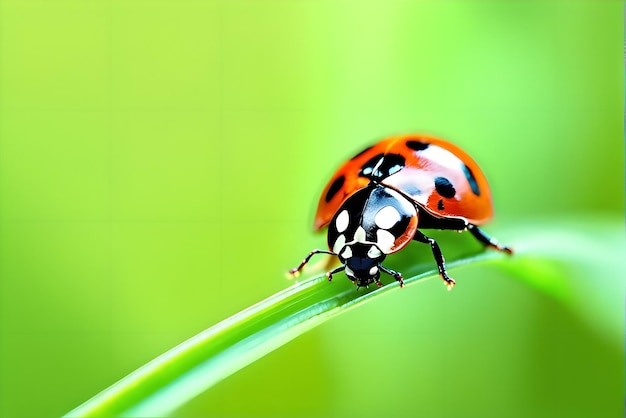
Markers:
point(378, 201)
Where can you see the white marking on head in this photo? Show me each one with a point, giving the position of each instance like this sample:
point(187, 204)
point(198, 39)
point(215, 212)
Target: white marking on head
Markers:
point(347, 252)
point(387, 217)
point(349, 272)
point(360, 235)
point(339, 243)
point(385, 240)
point(373, 270)
point(374, 252)
point(342, 221)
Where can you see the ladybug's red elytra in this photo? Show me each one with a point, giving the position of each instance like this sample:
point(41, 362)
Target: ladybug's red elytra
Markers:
point(378, 201)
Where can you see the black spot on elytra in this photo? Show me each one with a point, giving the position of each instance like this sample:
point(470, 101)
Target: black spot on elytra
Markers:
point(362, 152)
point(417, 145)
point(471, 179)
point(382, 166)
point(334, 188)
point(444, 187)
point(440, 205)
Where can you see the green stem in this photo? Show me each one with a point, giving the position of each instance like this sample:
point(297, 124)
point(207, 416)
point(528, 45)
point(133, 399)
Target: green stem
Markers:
point(185, 371)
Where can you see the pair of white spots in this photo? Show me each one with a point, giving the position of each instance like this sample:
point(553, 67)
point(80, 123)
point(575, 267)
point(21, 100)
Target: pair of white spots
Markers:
point(384, 219)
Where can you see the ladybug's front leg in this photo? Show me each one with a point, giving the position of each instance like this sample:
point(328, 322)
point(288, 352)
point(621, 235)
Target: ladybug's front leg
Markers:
point(393, 273)
point(297, 270)
point(329, 275)
point(481, 236)
point(438, 258)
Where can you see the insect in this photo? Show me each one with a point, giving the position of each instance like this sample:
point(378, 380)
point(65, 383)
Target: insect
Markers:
point(378, 201)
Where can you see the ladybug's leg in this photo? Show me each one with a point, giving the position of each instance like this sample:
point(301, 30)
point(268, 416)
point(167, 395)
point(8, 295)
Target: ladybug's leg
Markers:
point(481, 236)
point(329, 275)
point(393, 273)
point(296, 270)
point(438, 258)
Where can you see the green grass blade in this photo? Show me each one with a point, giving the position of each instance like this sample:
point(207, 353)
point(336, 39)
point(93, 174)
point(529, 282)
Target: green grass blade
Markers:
point(581, 265)
point(175, 377)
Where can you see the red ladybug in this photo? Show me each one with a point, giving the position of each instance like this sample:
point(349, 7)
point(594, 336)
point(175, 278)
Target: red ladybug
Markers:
point(378, 201)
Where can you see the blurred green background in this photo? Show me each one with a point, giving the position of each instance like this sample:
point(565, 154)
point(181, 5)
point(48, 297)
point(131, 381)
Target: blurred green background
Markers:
point(160, 163)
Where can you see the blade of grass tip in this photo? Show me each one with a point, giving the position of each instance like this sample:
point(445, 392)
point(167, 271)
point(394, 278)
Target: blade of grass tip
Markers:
point(578, 263)
point(177, 376)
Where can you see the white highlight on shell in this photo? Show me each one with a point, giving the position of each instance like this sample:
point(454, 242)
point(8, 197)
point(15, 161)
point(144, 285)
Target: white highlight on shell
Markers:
point(442, 156)
point(378, 164)
point(385, 240)
point(387, 217)
point(339, 243)
point(342, 221)
point(374, 252)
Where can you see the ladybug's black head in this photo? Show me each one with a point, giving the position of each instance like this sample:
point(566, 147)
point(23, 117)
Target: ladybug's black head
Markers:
point(362, 266)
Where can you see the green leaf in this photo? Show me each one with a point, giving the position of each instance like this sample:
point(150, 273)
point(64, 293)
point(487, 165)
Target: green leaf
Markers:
point(185, 371)
point(579, 266)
